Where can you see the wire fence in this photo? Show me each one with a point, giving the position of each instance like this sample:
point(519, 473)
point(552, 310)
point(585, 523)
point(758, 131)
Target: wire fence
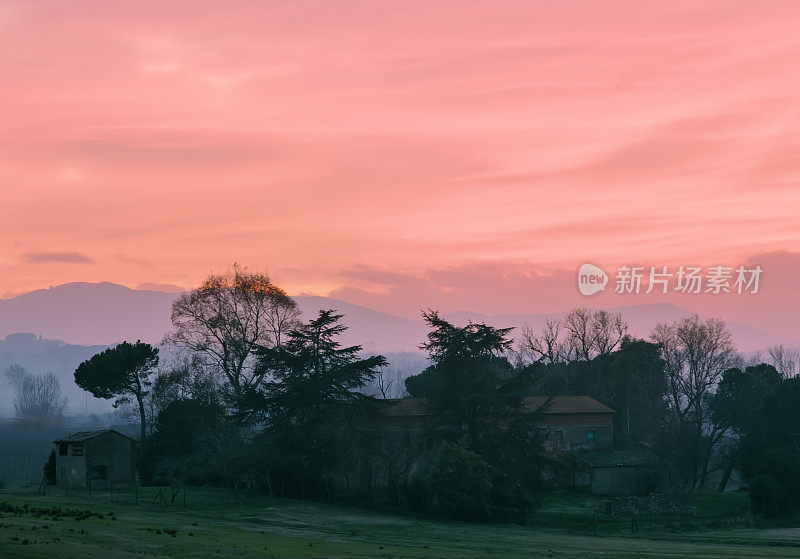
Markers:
point(19, 471)
point(148, 496)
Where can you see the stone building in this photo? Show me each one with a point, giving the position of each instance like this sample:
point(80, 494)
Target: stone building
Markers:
point(570, 422)
point(98, 458)
point(579, 443)
point(575, 422)
point(621, 472)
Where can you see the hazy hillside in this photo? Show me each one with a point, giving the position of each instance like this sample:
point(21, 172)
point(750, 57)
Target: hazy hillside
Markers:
point(88, 313)
point(39, 356)
point(106, 313)
point(376, 331)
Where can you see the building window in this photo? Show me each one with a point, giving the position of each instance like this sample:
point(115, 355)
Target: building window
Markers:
point(590, 437)
point(559, 440)
point(77, 449)
point(98, 472)
point(62, 449)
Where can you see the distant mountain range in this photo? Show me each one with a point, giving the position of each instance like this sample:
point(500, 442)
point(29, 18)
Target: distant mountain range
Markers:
point(88, 313)
point(107, 313)
point(53, 330)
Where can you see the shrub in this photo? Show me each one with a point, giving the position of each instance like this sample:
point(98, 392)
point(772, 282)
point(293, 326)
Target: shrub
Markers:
point(767, 496)
point(461, 483)
point(416, 488)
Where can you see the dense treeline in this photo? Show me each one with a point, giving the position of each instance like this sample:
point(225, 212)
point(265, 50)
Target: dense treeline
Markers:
point(256, 396)
point(480, 462)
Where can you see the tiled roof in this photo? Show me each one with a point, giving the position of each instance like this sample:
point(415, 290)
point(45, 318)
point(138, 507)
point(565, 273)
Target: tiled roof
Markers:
point(567, 404)
point(616, 458)
point(83, 436)
point(555, 405)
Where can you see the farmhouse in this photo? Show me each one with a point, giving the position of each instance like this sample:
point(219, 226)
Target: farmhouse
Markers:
point(575, 423)
point(579, 442)
point(570, 422)
point(96, 458)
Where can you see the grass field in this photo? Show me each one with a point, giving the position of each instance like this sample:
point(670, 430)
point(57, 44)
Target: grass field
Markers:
point(214, 523)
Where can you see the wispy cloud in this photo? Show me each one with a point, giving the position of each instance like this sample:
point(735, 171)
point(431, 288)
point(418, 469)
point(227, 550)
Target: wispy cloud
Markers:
point(407, 135)
point(512, 287)
point(71, 257)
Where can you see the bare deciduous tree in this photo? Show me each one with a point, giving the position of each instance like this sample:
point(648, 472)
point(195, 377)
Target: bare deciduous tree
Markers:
point(228, 319)
point(581, 335)
point(608, 329)
point(786, 360)
point(696, 352)
point(389, 382)
point(592, 333)
point(546, 346)
point(40, 397)
point(16, 375)
point(383, 382)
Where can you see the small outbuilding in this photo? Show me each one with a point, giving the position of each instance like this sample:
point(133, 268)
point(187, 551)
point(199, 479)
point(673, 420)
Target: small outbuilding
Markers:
point(620, 472)
point(98, 458)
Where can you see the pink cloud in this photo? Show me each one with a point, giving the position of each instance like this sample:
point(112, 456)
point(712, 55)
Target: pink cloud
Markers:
point(309, 138)
point(514, 287)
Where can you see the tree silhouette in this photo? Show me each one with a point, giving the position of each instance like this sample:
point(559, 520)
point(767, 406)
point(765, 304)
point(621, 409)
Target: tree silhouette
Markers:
point(226, 321)
point(122, 372)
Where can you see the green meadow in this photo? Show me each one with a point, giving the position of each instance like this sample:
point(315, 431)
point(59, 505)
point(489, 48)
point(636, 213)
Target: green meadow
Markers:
point(219, 523)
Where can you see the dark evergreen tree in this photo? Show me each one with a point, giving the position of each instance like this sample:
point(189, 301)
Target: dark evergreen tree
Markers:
point(770, 455)
point(314, 406)
point(470, 380)
point(737, 408)
point(122, 372)
point(477, 400)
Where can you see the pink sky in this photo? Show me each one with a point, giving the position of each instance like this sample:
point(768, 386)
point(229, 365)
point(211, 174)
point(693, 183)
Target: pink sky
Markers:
point(401, 154)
